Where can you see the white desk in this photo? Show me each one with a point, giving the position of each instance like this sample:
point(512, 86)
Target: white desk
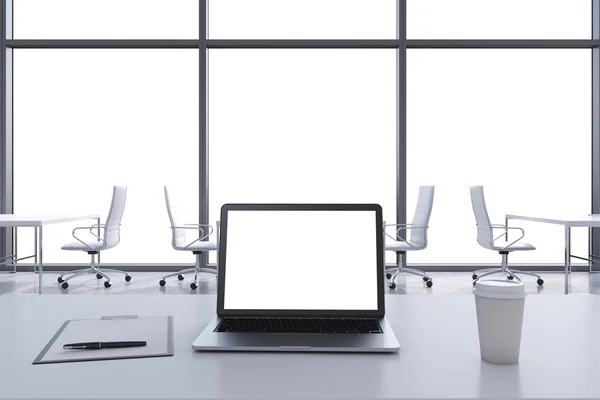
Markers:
point(588, 221)
point(37, 222)
point(439, 356)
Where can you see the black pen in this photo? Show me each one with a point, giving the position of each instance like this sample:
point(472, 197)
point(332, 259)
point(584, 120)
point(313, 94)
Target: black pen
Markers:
point(103, 345)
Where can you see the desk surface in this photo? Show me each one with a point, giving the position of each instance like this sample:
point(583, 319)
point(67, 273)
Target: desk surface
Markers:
point(439, 356)
point(39, 220)
point(581, 220)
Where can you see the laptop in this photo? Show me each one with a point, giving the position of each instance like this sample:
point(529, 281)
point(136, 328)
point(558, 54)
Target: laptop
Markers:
point(300, 277)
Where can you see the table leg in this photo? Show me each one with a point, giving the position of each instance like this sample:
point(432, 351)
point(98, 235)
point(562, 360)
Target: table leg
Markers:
point(590, 247)
point(567, 257)
point(41, 267)
point(35, 250)
point(98, 219)
point(14, 249)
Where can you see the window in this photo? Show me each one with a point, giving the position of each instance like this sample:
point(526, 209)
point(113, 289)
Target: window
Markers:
point(86, 120)
point(302, 19)
point(106, 19)
point(499, 19)
point(516, 122)
point(302, 126)
point(291, 124)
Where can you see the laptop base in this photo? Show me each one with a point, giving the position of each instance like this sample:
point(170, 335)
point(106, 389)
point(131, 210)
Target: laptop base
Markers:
point(299, 342)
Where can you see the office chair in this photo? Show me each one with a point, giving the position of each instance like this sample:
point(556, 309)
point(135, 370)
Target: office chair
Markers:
point(180, 242)
point(110, 238)
point(485, 238)
point(418, 237)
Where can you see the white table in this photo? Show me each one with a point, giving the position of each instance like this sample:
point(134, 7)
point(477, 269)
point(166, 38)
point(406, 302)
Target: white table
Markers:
point(439, 356)
point(37, 222)
point(588, 221)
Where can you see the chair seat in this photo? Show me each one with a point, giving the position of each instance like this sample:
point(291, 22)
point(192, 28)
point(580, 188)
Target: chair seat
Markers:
point(396, 245)
point(519, 246)
point(96, 245)
point(199, 246)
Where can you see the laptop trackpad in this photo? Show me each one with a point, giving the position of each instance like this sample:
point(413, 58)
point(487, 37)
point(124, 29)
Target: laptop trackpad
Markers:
point(286, 341)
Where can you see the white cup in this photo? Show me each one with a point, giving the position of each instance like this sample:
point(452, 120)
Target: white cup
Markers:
point(500, 305)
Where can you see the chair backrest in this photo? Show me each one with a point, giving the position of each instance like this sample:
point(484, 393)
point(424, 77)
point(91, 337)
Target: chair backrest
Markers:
point(418, 236)
point(482, 219)
point(179, 238)
point(112, 225)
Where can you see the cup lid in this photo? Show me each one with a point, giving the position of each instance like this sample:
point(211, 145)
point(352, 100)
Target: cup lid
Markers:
point(499, 289)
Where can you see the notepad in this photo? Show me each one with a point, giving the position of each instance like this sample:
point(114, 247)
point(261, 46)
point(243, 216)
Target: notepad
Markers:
point(156, 331)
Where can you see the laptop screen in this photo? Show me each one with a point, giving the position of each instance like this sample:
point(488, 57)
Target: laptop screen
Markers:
point(300, 260)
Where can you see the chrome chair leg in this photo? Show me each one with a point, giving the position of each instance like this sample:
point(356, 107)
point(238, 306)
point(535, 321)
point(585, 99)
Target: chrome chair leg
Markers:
point(512, 273)
point(77, 273)
point(492, 272)
point(197, 269)
point(114, 270)
point(514, 276)
point(403, 269)
point(480, 271)
point(415, 272)
point(183, 271)
point(93, 269)
point(97, 271)
point(516, 271)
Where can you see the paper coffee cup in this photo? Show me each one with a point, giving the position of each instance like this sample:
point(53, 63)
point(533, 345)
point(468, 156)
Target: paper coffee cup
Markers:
point(500, 305)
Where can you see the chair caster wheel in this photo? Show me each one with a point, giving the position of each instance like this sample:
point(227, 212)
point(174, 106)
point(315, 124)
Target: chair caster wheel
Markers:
point(180, 277)
point(127, 278)
point(426, 278)
point(429, 283)
point(107, 284)
point(392, 285)
point(60, 279)
point(510, 277)
point(162, 282)
point(193, 286)
point(474, 282)
point(388, 276)
point(474, 276)
point(98, 276)
point(65, 285)
point(540, 281)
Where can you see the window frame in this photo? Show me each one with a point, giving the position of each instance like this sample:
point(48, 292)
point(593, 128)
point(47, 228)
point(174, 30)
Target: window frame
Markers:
point(203, 44)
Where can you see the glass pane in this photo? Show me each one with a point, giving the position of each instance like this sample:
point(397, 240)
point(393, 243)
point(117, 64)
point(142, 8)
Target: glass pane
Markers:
point(86, 120)
point(302, 19)
point(499, 19)
point(303, 126)
point(517, 122)
point(106, 19)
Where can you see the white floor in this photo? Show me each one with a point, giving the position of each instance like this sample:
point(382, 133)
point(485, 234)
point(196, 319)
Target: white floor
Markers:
point(147, 283)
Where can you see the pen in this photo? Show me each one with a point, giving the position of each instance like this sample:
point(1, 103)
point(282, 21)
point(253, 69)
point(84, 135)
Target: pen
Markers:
point(103, 345)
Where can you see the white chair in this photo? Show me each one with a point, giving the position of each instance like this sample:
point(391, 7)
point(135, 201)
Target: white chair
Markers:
point(180, 242)
point(109, 239)
point(500, 243)
point(418, 237)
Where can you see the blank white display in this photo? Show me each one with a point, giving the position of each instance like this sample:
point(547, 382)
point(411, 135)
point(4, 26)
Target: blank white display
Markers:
point(298, 260)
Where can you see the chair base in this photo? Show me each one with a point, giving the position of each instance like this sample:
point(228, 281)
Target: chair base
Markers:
point(510, 273)
point(93, 269)
point(196, 270)
point(402, 269)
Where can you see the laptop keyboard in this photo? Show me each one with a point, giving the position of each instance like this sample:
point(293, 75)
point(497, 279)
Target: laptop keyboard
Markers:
point(299, 325)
